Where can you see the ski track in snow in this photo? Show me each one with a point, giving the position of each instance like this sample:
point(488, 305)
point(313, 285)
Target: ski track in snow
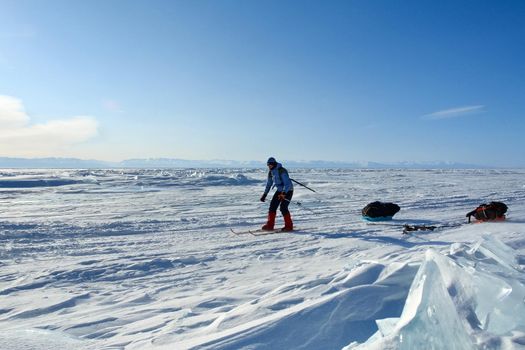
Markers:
point(144, 259)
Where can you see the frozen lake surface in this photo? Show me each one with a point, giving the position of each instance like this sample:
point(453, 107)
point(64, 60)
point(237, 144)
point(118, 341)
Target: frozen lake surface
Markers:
point(145, 259)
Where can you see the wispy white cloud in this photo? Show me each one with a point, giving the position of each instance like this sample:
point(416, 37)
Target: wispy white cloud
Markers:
point(454, 112)
point(20, 138)
point(12, 113)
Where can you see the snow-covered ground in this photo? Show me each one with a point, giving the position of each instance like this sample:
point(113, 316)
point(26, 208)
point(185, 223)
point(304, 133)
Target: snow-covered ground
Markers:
point(144, 259)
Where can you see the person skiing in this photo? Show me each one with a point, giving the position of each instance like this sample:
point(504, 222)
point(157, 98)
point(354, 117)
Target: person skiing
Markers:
point(278, 177)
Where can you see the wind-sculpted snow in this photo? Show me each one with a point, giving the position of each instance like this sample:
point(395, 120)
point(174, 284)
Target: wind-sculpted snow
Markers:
point(112, 180)
point(36, 183)
point(38, 339)
point(344, 310)
point(145, 259)
point(237, 180)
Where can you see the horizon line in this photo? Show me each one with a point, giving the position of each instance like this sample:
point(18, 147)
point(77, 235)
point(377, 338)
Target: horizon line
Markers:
point(61, 162)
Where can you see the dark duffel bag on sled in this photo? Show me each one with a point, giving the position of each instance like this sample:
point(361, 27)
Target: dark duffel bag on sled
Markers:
point(494, 211)
point(377, 211)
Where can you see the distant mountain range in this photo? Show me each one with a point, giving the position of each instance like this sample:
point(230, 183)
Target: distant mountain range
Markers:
point(6, 162)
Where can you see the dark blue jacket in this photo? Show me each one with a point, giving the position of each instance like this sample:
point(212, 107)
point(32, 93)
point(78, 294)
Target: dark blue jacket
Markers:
point(278, 177)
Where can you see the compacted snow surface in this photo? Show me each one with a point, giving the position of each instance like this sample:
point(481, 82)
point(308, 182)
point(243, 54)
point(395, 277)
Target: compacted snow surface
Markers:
point(145, 259)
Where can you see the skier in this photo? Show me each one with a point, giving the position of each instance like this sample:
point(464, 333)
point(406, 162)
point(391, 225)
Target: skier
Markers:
point(278, 177)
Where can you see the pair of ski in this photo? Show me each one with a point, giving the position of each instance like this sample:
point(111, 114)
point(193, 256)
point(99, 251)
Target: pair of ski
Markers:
point(258, 232)
point(408, 228)
point(412, 228)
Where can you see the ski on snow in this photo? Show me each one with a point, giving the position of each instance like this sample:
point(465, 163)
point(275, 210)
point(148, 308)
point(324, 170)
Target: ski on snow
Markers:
point(267, 232)
point(412, 228)
point(259, 232)
point(239, 232)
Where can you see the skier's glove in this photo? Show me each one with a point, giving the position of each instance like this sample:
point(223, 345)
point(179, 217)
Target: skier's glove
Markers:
point(263, 197)
point(281, 196)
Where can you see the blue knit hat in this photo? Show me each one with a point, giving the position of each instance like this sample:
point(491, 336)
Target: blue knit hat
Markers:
point(271, 160)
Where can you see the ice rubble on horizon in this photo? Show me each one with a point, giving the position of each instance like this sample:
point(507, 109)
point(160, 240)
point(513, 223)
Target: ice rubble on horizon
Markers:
point(147, 177)
point(473, 298)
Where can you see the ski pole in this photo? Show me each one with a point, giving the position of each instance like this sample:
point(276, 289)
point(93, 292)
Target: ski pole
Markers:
point(299, 204)
point(297, 182)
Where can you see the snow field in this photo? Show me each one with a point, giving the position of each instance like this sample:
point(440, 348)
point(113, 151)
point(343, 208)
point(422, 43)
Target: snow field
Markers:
point(144, 259)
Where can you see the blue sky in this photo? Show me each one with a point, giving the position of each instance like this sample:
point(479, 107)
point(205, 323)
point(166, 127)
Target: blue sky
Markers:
point(348, 80)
